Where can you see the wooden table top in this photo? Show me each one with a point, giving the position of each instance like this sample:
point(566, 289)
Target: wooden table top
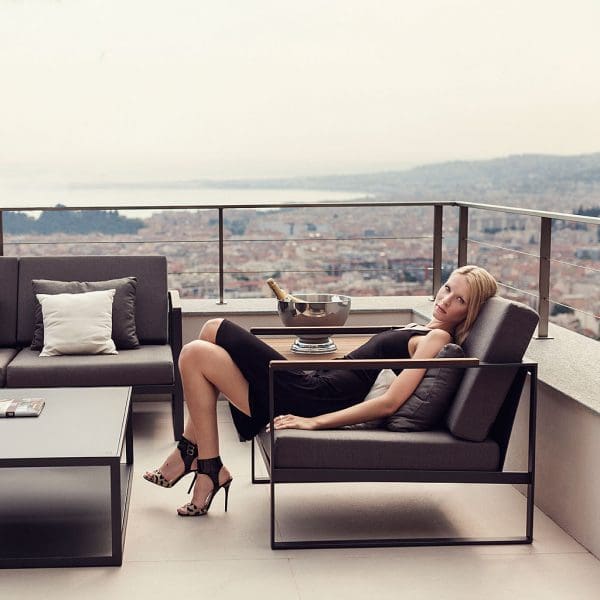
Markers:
point(344, 343)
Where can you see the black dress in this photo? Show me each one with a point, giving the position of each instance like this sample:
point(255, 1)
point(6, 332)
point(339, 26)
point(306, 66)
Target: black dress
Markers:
point(303, 393)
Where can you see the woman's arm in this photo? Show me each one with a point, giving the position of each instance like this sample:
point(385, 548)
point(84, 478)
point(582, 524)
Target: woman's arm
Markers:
point(383, 406)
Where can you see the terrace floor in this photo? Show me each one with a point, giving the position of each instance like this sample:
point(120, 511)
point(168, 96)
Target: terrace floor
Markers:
point(227, 555)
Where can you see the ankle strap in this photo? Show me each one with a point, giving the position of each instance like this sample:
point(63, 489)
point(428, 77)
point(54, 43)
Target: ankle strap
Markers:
point(210, 467)
point(187, 448)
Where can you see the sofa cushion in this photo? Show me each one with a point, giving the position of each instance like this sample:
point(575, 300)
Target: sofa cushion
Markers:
point(148, 364)
point(6, 355)
point(501, 334)
point(151, 296)
point(77, 323)
point(380, 449)
point(8, 300)
point(123, 308)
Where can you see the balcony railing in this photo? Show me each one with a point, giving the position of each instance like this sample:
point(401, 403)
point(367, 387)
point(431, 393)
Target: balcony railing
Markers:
point(455, 230)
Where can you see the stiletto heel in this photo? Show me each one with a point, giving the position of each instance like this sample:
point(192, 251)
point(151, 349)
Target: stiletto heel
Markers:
point(226, 488)
point(188, 451)
point(211, 467)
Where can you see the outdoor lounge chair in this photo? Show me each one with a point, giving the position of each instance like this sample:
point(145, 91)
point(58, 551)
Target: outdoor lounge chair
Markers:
point(468, 446)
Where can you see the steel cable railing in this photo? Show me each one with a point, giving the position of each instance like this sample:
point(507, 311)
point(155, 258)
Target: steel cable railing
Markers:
point(228, 245)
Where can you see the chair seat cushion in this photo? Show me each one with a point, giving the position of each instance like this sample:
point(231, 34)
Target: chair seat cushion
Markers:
point(380, 449)
point(146, 365)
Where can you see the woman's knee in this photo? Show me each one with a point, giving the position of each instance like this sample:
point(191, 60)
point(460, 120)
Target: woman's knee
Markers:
point(209, 330)
point(192, 355)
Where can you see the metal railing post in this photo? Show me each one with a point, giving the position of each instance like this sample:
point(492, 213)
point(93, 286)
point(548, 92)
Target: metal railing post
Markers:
point(544, 276)
point(221, 275)
point(463, 235)
point(438, 220)
point(1, 234)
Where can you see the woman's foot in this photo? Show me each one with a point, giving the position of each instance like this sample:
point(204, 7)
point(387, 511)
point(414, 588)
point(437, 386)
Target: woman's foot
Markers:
point(206, 487)
point(180, 462)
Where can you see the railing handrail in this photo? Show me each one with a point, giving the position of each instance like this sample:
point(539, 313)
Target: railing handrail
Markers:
point(349, 203)
point(531, 212)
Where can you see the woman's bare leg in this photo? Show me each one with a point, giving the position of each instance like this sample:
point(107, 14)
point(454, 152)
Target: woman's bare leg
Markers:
point(207, 369)
point(194, 359)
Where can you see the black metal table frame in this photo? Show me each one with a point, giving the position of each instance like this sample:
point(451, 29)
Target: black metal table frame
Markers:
point(120, 491)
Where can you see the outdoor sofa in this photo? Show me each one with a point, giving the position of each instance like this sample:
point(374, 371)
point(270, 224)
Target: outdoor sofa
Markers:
point(146, 325)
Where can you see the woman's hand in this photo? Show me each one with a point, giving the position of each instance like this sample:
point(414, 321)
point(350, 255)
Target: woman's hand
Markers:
point(293, 422)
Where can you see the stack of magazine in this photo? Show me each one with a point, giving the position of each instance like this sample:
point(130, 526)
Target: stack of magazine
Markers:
point(27, 407)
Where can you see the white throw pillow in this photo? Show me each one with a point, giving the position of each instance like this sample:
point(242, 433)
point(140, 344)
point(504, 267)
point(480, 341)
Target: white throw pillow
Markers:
point(77, 323)
point(381, 384)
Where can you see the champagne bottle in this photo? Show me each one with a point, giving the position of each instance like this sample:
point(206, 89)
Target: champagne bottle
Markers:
point(281, 295)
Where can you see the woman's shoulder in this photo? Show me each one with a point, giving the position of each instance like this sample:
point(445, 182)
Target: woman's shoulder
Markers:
point(435, 340)
point(431, 333)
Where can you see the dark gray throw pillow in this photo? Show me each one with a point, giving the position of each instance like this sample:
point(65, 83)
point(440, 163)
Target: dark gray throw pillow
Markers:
point(430, 401)
point(124, 332)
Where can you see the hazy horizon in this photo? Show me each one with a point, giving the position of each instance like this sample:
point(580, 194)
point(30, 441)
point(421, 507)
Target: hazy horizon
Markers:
point(106, 91)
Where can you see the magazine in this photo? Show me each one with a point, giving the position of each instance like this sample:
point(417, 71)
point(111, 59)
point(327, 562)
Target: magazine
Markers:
point(27, 407)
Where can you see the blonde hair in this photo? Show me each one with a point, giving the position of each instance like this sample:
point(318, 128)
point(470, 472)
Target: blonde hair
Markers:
point(482, 286)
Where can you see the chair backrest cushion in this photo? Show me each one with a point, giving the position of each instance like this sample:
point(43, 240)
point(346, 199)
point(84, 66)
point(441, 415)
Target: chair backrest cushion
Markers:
point(151, 313)
point(8, 301)
point(501, 334)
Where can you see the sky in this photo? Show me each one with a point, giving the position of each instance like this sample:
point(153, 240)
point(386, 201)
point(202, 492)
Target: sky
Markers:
point(146, 90)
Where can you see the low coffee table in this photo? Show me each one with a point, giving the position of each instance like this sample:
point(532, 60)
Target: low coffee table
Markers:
point(64, 488)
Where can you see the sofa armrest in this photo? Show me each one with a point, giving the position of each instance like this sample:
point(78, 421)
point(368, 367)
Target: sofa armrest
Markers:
point(176, 341)
point(174, 300)
point(175, 323)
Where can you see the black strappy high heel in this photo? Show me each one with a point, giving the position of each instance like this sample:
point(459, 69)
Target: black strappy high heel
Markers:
point(212, 468)
point(188, 451)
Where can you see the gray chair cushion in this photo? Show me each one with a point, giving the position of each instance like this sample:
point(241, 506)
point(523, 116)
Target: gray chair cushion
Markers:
point(429, 402)
point(341, 449)
point(151, 296)
point(8, 300)
point(123, 309)
point(146, 365)
point(501, 334)
point(6, 355)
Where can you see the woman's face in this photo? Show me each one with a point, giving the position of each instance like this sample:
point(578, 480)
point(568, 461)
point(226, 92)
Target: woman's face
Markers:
point(452, 301)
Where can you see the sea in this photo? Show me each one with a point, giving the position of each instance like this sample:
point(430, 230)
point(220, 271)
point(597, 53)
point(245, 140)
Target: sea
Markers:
point(126, 199)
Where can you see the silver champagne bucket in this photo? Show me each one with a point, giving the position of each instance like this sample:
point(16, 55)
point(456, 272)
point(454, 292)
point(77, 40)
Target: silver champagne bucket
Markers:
point(314, 310)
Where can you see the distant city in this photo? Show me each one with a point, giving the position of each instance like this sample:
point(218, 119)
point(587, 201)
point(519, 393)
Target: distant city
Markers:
point(362, 251)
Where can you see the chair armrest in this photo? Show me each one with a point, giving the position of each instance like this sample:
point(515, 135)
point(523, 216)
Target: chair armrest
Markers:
point(383, 363)
point(375, 363)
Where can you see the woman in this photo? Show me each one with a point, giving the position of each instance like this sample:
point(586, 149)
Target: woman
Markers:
point(230, 360)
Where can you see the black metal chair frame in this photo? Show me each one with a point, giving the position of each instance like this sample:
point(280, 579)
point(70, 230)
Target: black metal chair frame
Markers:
point(500, 431)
